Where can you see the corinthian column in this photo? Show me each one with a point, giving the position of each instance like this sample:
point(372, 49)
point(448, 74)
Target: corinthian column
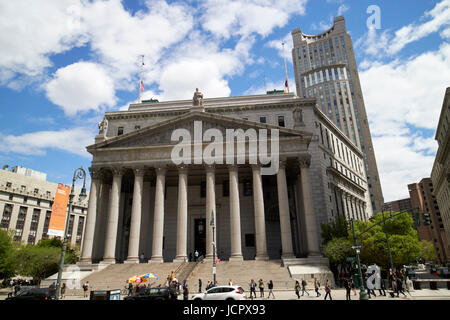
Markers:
point(310, 218)
point(158, 222)
point(136, 213)
point(182, 215)
point(283, 206)
point(210, 207)
point(88, 241)
point(235, 215)
point(260, 222)
point(113, 218)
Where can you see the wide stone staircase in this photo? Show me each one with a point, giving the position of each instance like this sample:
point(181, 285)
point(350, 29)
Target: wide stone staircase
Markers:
point(114, 276)
point(241, 273)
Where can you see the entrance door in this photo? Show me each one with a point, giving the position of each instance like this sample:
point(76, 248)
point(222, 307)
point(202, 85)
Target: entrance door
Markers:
point(200, 236)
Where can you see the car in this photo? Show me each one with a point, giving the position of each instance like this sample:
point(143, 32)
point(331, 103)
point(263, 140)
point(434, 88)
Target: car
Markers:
point(222, 293)
point(158, 294)
point(34, 294)
point(444, 272)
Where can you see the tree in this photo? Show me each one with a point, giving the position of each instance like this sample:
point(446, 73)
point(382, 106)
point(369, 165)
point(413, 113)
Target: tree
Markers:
point(338, 228)
point(428, 251)
point(37, 262)
point(338, 249)
point(7, 266)
point(403, 240)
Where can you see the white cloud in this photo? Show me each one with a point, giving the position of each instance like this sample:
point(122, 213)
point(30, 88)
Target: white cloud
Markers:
point(402, 98)
point(376, 43)
point(288, 46)
point(72, 141)
point(29, 36)
point(342, 9)
point(80, 87)
point(225, 18)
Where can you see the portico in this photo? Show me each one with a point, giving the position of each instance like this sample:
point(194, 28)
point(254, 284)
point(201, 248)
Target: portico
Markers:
point(153, 203)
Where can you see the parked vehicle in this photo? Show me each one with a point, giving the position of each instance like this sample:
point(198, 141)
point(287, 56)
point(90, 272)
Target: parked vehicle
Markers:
point(444, 272)
point(159, 293)
point(34, 294)
point(222, 293)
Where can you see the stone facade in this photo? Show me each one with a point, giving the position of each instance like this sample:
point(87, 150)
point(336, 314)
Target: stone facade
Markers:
point(325, 68)
point(440, 175)
point(26, 205)
point(141, 202)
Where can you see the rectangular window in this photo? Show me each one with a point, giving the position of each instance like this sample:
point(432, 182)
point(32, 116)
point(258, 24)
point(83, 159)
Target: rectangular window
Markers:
point(137, 127)
point(281, 121)
point(203, 189)
point(262, 119)
point(80, 230)
point(250, 240)
point(226, 188)
point(248, 188)
point(6, 218)
point(119, 131)
point(46, 224)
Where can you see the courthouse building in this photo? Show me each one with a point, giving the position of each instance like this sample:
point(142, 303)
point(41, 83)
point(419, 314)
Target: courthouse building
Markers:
point(26, 199)
point(141, 201)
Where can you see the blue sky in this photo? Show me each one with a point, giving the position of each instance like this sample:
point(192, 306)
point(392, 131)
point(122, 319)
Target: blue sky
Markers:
point(64, 63)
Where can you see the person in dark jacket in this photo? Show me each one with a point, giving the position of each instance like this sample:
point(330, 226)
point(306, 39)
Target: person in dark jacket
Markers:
point(348, 288)
point(200, 285)
point(297, 289)
point(270, 287)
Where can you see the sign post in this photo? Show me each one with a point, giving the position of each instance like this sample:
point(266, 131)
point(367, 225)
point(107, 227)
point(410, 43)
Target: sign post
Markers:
point(211, 223)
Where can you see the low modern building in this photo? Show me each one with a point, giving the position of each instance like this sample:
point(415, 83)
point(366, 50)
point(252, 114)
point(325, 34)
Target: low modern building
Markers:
point(399, 205)
point(142, 200)
point(430, 225)
point(26, 199)
point(440, 175)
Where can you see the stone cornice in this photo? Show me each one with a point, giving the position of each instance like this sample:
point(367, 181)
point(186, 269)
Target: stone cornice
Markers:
point(257, 105)
point(346, 179)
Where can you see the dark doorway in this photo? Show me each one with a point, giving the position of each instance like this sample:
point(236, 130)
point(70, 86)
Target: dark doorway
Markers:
point(200, 236)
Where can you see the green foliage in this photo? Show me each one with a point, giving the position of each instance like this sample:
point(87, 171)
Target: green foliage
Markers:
point(37, 262)
point(49, 243)
point(404, 241)
point(428, 251)
point(7, 265)
point(338, 249)
point(338, 228)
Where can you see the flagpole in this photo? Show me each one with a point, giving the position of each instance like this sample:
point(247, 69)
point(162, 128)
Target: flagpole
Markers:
point(140, 80)
point(285, 68)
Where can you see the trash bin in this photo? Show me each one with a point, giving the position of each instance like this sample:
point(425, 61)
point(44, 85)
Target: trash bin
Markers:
point(433, 285)
point(416, 285)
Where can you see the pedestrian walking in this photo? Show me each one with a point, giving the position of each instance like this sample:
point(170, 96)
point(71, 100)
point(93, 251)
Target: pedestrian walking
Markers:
point(190, 256)
point(63, 290)
point(382, 290)
point(400, 286)
point(85, 289)
point(200, 285)
point(348, 288)
point(252, 288)
point(130, 289)
point(230, 283)
point(261, 288)
point(141, 258)
point(270, 287)
point(297, 289)
point(304, 287)
point(316, 287)
point(185, 291)
point(353, 285)
point(327, 290)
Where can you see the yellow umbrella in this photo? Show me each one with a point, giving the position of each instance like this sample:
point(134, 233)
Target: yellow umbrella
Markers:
point(132, 279)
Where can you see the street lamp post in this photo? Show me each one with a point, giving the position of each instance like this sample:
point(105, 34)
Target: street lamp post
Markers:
point(362, 295)
point(387, 237)
point(212, 224)
point(78, 174)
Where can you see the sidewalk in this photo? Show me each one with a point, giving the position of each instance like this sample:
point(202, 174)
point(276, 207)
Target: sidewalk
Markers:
point(337, 294)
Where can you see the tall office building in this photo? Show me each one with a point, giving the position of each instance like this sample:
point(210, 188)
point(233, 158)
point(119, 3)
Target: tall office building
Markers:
point(325, 68)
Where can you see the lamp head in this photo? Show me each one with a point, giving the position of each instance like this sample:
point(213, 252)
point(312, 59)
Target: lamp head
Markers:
point(83, 195)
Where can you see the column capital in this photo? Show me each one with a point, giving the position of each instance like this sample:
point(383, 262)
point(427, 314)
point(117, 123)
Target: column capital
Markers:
point(304, 161)
point(139, 171)
point(256, 167)
point(118, 171)
point(210, 168)
point(160, 170)
point(182, 168)
point(232, 167)
point(95, 173)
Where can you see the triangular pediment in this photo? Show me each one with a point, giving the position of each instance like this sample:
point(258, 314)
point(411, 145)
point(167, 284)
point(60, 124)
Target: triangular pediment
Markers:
point(161, 133)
